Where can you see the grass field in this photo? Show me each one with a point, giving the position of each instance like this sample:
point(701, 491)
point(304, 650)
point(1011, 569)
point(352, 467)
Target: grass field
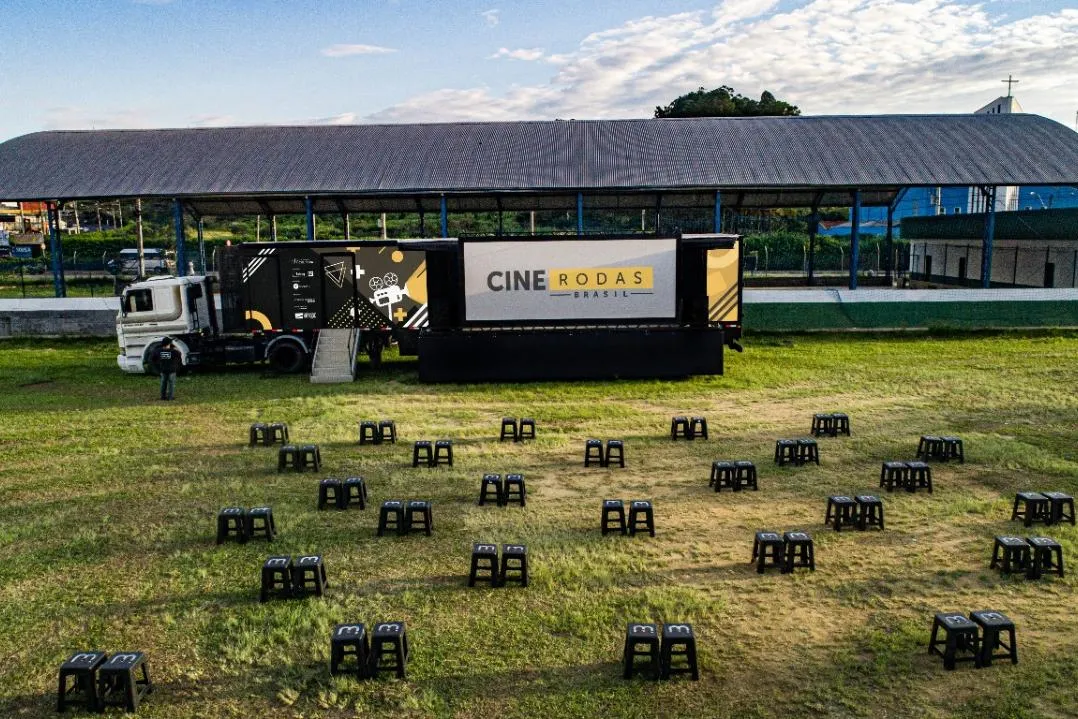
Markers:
point(108, 501)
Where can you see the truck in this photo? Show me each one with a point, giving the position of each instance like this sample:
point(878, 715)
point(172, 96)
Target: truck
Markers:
point(472, 309)
point(271, 302)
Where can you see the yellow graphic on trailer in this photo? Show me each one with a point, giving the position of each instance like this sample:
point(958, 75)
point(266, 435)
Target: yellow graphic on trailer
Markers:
point(259, 318)
point(723, 291)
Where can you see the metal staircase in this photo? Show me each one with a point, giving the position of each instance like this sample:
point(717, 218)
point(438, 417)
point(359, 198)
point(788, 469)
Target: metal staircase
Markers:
point(335, 356)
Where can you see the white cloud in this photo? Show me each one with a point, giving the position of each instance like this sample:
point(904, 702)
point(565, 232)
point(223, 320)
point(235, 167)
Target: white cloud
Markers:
point(213, 121)
point(827, 56)
point(342, 50)
point(527, 54)
point(344, 118)
point(68, 117)
point(492, 17)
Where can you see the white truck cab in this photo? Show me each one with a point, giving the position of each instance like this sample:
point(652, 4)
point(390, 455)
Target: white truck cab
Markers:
point(177, 307)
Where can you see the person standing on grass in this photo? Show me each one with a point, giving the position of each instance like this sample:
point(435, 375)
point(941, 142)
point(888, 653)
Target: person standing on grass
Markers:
point(168, 361)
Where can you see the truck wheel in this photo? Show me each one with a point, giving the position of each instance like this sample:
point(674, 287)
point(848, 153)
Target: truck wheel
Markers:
point(286, 358)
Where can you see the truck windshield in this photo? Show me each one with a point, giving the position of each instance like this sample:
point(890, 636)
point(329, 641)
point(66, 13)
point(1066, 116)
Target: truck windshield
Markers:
point(138, 301)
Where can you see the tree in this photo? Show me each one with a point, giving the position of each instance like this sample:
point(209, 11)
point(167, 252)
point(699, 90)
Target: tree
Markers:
point(725, 102)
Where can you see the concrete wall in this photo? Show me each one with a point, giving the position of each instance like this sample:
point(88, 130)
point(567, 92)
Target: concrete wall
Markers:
point(1016, 263)
point(76, 316)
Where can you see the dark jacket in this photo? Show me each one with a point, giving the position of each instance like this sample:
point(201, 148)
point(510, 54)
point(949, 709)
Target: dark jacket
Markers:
point(168, 359)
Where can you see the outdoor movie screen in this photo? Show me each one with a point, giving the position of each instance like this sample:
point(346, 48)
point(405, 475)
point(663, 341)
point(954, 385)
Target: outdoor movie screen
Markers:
point(568, 280)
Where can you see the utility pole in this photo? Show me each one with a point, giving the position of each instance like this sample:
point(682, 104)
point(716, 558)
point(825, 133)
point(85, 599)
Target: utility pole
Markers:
point(138, 232)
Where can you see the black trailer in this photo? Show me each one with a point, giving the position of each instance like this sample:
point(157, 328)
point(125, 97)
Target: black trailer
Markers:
point(292, 290)
point(557, 307)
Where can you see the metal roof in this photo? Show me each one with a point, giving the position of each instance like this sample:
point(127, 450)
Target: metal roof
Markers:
point(755, 162)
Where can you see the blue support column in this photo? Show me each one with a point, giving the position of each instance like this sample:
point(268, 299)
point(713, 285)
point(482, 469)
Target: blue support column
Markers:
point(814, 227)
point(201, 248)
point(56, 250)
point(181, 239)
point(444, 212)
point(989, 237)
point(890, 242)
point(309, 205)
point(718, 212)
point(855, 238)
point(580, 213)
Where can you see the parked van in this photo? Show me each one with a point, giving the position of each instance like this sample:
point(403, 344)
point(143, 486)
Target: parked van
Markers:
point(126, 262)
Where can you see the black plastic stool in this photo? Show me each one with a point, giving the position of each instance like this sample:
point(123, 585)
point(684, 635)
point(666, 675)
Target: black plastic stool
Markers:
point(615, 451)
point(960, 637)
point(919, 476)
point(641, 640)
point(260, 523)
point(330, 492)
point(1011, 554)
point(288, 457)
point(679, 427)
point(443, 452)
point(310, 457)
point(614, 516)
point(993, 625)
point(422, 453)
point(232, 522)
point(930, 447)
point(697, 427)
point(81, 667)
point(484, 560)
point(1061, 507)
point(389, 649)
point(349, 641)
point(368, 432)
point(118, 682)
point(768, 550)
point(799, 551)
point(840, 424)
point(278, 432)
point(841, 510)
point(593, 452)
point(387, 431)
point(514, 490)
point(808, 451)
point(391, 516)
point(514, 564)
point(276, 578)
point(746, 476)
point(952, 449)
point(822, 424)
point(678, 643)
point(257, 434)
point(894, 475)
point(785, 452)
point(1030, 507)
point(641, 517)
point(723, 476)
point(309, 576)
point(1047, 556)
point(419, 516)
point(526, 430)
point(354, 489)
point(869, 511)
point(509, 429)
point(492, 485)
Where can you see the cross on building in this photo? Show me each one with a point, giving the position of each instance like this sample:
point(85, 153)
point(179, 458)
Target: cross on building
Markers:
point(1009, 82)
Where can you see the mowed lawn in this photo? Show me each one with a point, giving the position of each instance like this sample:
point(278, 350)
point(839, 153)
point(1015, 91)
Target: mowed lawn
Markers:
point(108, 501)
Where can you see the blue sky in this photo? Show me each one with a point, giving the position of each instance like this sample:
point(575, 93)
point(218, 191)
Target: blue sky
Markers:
point(74, 64)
